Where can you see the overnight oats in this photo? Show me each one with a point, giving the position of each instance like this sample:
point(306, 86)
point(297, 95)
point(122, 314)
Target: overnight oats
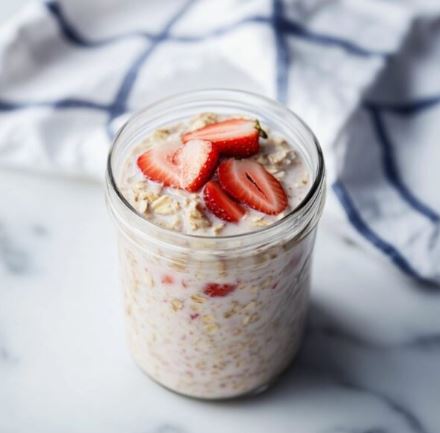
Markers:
point(216, 195)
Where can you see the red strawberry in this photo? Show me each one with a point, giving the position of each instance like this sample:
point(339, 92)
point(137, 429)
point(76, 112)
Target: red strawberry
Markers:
point(198, 160)
point(250, 183)
point(158, 164)
point(220, 204)
point(167, 279)
point(215, 290)
point(232, 137)
point(186, 166)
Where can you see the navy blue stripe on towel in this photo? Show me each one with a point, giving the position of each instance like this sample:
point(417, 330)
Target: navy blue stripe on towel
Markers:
point(363, 229)
point(122, 95)
point(408, 107)
point(282, 53)
point(284, 26)
point(61, 104)
point(391, 170)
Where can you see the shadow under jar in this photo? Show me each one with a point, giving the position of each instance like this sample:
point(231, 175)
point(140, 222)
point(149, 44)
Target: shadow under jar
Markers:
point(216, 347)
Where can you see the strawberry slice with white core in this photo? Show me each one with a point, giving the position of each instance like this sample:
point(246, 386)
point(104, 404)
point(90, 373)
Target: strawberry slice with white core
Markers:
point(249, 182)
point(197, 160)
point(186, 166)
point(220, 204)
point(158, 164)
point(232, 137)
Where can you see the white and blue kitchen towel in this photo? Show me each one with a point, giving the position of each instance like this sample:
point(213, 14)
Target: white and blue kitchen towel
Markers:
point(363, 73)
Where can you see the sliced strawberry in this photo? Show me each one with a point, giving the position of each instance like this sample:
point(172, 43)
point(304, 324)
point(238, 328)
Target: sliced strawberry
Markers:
point(249, 182)
point(158, 164)
point(198, 160)
point(220, 204)
point(232, 137)
point(216, 290)
point(186, 166)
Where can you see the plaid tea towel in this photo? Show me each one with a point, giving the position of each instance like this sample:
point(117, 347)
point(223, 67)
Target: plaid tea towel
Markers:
point(361, 73)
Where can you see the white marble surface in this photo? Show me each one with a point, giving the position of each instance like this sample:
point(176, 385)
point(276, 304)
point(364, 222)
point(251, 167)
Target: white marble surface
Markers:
point(369, 364)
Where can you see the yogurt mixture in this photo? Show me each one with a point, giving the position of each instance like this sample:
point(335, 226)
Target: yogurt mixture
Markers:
point(215, 326)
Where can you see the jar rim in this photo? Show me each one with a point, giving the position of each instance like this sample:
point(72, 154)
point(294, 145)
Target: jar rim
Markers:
point(297, 211)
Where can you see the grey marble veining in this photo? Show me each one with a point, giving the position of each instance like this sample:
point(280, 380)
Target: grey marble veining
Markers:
point(427, 341)
point(166, 428)
point(13, 258)
point(330, 366)
point(39, 230)
point(6, 356)
point(369, 362)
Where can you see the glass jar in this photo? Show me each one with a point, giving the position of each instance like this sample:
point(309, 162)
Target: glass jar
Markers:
point(216, 347)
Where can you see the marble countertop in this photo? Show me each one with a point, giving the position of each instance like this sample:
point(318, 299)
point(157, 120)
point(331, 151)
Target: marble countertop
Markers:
point(369, 364)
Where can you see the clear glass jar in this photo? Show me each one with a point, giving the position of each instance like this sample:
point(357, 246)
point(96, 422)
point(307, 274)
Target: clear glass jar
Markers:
point(216, 347)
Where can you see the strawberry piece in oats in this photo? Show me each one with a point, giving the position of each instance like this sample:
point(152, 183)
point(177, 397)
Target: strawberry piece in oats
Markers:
point(250, 183)
point(158, 164)
point(232, 137)
point(198, 161)
point(167, 279)
point(186, 166)
point(217, 290)
point(220, 204)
